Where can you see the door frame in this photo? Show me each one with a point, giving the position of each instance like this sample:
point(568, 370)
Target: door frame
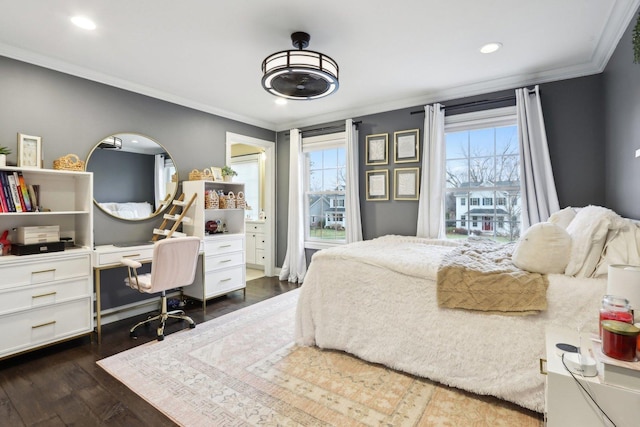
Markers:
point(269, 191)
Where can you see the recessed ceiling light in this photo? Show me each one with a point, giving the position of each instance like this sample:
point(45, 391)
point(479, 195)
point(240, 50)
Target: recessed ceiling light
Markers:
point(281, 101)
point(490, 47)
point(83, 22)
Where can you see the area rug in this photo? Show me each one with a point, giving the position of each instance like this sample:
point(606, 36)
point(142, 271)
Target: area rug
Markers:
point(243, 369)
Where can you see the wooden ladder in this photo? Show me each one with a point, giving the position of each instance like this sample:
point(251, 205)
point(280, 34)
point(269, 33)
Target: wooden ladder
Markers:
point(177, 219)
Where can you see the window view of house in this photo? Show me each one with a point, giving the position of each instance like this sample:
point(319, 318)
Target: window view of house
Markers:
point(483, 167)
point(325, 173)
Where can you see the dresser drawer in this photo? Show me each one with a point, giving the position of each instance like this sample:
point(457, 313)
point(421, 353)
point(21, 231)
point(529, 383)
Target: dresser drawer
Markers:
point(136, 254)
point(220, 281)
point(26, 329)
point(254, 228)
point(44, 270)
point(215, 246)
point(26, 297)
point(217, 262)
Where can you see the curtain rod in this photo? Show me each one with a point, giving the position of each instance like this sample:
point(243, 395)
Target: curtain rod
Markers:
point(336, 128)
point(476, 103)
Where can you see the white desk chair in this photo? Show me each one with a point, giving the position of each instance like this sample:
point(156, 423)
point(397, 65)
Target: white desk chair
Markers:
point(173, 265)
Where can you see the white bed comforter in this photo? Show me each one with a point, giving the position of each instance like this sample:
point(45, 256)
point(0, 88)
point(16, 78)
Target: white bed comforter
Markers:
point(377, 300)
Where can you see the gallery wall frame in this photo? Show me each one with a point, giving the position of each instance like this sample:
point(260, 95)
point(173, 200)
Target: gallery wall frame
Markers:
point(377, 149)
point(377, 184)
point(406, 183)
point(406, 146)
point(29, 151)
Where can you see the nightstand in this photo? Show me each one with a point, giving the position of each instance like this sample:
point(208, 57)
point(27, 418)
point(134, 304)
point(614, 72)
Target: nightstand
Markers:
point(566, 404)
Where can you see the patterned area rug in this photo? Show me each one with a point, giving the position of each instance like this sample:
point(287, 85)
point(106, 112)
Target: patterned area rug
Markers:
point(243, 369)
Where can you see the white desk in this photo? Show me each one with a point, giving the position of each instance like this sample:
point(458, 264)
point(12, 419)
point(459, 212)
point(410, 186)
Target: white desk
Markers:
point(109, 256)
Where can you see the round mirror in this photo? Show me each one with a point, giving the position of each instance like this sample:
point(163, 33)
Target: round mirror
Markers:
point(134, 177)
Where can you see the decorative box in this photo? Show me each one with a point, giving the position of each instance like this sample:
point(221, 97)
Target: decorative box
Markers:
point(40, 248)
point(41, 234)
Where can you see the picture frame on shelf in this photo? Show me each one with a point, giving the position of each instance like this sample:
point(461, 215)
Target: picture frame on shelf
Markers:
point(29, 151)
point(406, 183)
point(217, 173)
point(406, 145)
point(377, 149)
point(377, 184)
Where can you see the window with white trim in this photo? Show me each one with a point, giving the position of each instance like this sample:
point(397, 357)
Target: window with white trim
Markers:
point(325, 174)
point(483, 164)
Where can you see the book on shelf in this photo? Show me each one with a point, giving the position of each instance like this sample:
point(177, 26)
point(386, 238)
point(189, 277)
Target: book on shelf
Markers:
point(14, 192)
point(24, 191)
point(6, 189)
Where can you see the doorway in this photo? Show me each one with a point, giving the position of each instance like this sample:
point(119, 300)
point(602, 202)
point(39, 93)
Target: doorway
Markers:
point(264, 154)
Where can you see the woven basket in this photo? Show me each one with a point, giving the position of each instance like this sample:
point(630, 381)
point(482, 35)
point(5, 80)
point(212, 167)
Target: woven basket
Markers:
point(70, 162)
point(211, 200)
point(196, 175)
point(223, 201)
point(241, 203)
point(231, 200)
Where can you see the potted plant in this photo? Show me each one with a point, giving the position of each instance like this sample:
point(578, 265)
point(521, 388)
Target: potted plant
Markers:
point(3, 155)
point(228, 173)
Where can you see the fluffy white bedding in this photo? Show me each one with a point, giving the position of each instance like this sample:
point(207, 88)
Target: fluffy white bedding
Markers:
point(377, 300)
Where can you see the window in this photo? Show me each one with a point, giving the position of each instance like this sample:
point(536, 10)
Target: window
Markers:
point(483, 164)
point(324, 195)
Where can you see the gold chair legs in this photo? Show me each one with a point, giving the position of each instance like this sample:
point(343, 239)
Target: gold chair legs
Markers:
point(162, 318)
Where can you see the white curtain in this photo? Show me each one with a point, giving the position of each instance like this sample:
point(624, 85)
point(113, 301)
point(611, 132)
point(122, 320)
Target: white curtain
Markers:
point(539, 197)
point(160, 187)
point(353, 221)
point(431, 203)
point(295, 266)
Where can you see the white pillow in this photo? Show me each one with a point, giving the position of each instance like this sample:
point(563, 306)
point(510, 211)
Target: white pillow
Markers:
point(588, 232)
point(543, 248)
point(563, 217)
point(621, 247)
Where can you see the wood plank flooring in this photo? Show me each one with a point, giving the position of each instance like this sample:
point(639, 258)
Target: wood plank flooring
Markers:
point(61, 385)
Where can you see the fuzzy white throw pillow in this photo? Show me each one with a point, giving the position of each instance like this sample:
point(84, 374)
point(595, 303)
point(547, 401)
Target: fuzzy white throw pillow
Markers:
point(544, 248)
point(588, 232)
point(563, 217)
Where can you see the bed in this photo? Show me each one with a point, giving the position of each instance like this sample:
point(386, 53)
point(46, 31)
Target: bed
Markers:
point(377, 300)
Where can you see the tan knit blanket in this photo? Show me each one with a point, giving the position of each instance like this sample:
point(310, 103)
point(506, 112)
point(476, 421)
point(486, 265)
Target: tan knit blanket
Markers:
point(479, 275)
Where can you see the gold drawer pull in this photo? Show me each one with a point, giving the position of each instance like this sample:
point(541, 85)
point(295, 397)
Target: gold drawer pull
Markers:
point(44, 271)
point(225, 260)
point(543, 366)
point(130, 256)
point(226, 280)
point(225, 246)
point(43, 295)
point(53, 322)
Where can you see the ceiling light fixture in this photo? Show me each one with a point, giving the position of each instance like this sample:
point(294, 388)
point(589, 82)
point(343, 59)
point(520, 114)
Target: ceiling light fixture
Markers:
point(490, 47)
point(83, 22)
point(111, 143)
point(300, 74)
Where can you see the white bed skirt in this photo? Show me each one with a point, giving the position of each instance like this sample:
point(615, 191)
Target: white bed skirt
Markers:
point(382, 315)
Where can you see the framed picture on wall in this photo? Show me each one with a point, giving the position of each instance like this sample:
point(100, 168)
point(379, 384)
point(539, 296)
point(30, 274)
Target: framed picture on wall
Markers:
point(378, 184)
point(29, 151)
point(406, 183)
point(377, 149)
point(406, 146)
point(217, 173)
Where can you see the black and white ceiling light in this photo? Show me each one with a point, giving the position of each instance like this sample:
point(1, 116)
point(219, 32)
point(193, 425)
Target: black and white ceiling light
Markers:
point(300, 74)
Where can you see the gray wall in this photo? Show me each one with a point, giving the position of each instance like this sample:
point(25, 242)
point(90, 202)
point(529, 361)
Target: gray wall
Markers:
point(575, 131)
point(621, 113)
point(73, 114)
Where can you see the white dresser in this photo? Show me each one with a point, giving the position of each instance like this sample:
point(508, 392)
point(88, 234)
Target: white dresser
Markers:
point(255, 242)
point(224, 253)
point(48, 297)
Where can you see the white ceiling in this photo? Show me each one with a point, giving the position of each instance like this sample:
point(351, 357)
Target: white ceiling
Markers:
point(207, 54)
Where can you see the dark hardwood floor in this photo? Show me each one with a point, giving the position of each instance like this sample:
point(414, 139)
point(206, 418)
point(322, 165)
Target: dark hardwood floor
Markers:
point(61, 385)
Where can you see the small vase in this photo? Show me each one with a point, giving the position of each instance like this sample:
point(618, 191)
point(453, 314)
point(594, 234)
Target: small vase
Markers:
point(227, 178)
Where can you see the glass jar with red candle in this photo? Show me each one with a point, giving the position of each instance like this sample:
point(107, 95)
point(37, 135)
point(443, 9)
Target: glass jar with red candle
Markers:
point(619, 340)
point(615, 308)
